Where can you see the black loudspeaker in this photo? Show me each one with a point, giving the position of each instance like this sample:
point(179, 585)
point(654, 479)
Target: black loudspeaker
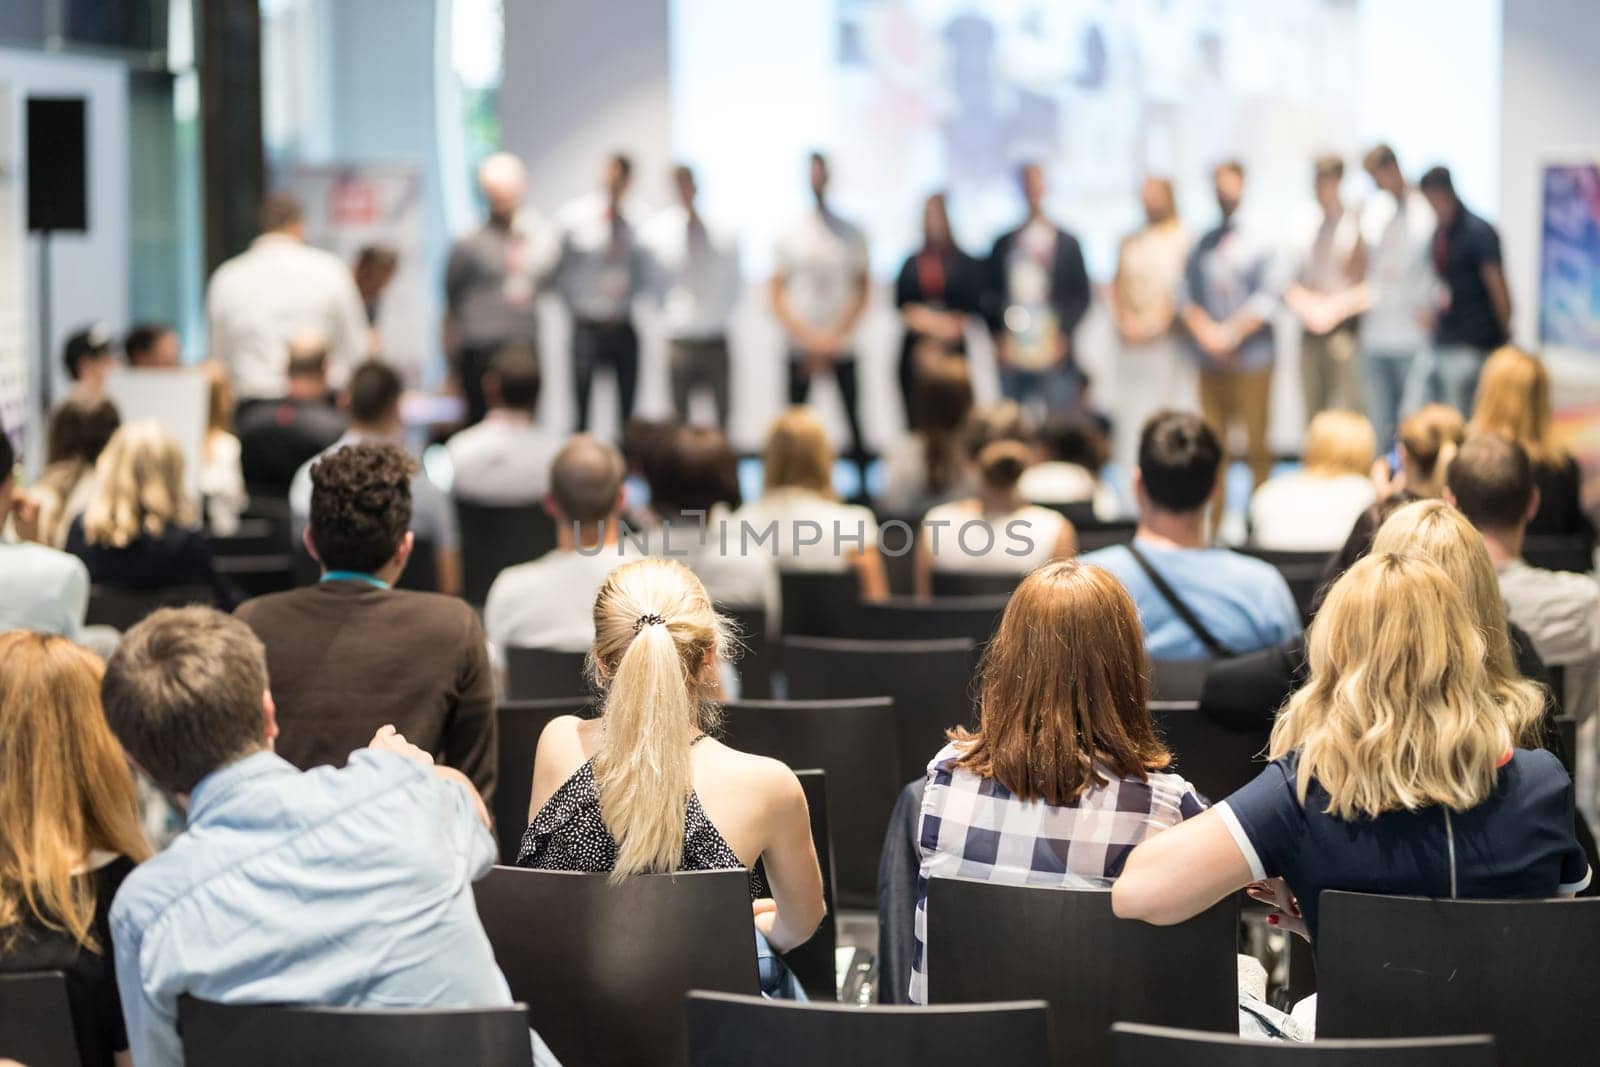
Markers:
point(57, 164)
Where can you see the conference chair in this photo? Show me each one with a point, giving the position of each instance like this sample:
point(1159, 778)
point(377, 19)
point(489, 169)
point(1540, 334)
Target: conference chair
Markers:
point(818, 604)
point(544, 674)
point(1005, 942)
point(519, 726)
point(1567, 730)
point(604, 968)
point(255, 536)
point(734, 1031)
point(1558, 553)
point(897, 541)
point(494, 537)
point(930, 681)
point(756, 652)
point(36, 1020)
point(1283, 557)
point(1104, 535)
point(1178, 679)
point(124, 608)
point(942, 618)
point(257, 575)
point(1160, 1046)
point(1522, 970)
point(974, 583)
point(815, 963)
point(1216, 759)
point(855, 744)
point(270, 1035)
point(898, 870)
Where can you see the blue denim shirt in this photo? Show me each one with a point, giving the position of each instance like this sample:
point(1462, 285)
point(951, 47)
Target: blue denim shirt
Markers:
point(344, 887)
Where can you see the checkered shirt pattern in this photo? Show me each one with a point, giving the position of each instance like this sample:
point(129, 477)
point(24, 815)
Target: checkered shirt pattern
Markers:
point(974, 828)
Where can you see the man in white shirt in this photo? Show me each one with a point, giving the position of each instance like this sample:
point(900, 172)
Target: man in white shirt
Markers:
point(278, 289)
point(1491, 482)
point(45, 590)
point(505, 459)
point(819, 292)
point(695, 274)
point(1401, 289)
point(600, 269)
point(549, 603)
point(1324, 294)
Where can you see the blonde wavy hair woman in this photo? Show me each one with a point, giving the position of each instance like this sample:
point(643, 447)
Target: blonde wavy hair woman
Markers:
point(1428, 439)
point(140, 487)
point(644, 788)
point(71, 827)
point(1311, 509)
point(1393, 771)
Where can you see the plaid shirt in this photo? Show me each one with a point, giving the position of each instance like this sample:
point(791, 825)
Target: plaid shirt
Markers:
point(974, 828)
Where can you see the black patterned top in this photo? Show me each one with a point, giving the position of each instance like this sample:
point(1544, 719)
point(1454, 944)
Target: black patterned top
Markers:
point(567, 834)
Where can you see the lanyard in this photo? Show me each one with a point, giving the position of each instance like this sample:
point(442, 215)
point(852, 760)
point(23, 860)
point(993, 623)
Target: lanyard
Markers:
point(355, 576)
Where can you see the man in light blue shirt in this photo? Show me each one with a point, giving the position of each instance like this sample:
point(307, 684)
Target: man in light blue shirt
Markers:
point(44, 590)
point(346, 887)
point(1241, 604)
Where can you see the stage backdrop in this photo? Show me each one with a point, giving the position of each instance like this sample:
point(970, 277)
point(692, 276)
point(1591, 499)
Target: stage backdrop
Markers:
point(14, 405)
point(1569, 307)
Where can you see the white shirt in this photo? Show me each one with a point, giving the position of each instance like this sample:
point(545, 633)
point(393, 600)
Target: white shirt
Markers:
point(221, 482)
point(1304, 512)
point(694, 272)
point(505, 459)
point(549, 602)
point(276, 290)
point(433, 516)
point(1560, 611)
point(1325, 252)
point(601, 265)
point(962, 539)
point(803, 530)
point(1399, 270)
point(738, 579)
point(821, 259)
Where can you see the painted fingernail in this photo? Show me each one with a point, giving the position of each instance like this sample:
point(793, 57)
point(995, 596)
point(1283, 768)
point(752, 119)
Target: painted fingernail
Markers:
point(1272, 920)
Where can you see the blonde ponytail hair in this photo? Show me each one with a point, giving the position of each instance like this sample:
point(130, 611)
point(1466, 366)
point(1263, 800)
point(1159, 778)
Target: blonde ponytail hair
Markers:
point(653, 625)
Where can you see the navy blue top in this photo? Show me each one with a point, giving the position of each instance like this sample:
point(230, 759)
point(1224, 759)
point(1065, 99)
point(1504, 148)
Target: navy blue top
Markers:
point(1517, 844)
point(1460, 253)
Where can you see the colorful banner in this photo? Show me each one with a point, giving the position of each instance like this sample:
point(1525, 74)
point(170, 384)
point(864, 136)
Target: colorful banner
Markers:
point(1569, 260)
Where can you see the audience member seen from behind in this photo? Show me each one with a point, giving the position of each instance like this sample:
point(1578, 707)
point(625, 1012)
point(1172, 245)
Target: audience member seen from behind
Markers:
point(1065, 761)
point(1492, 482)
point(352, 652)
point(546, 603)
point(798, 520)
point(1237, 604)
point(644, 789)
point(1446, 806)
point(1069, 454)
point(937, 291)
point(152, 344)
point(44, 589)
point(1428, 438)
point(89, 359)
point(1311, 509)
point(139, 531)
point(71, 830)
point(221, 476)
point(347, 887)
point(1514, 399)
point(374, 401)
point(79, 429)
point(276, 439)
point(504, 460)
point(928, 465)
point(995, 531)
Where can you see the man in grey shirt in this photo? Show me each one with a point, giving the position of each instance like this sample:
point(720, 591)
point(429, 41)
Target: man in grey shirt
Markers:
point(492, 280)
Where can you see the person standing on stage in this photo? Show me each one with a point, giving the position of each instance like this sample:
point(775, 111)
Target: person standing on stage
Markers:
point(491, 283)
point(1476, 318)
point(1036, 293)
point(695, 272)
point(600, 271)
point(938, 287)
point(1151, 373)
point(819, 292)
point(1324, 296)
point(1231, 286)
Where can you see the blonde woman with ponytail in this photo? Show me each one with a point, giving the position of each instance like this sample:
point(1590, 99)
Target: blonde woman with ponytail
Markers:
point(1394, 770)
point(997, 531)
point(645, 789)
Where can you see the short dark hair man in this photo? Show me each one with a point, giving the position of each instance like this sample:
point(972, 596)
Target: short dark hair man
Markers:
point(1237, 604)
point(505, 459)
point(352, 653)
point(89, 359)
point(275, 439)
point(1477, 319)
point(152, 344)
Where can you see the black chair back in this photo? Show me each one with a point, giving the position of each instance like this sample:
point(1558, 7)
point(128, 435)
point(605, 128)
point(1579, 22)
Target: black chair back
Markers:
point(494, 537)
point(1281, 558)
point(604, 968)
point(1160, 1046)
point(1522, 970)
point(124, 608)
point(1560, 553)
point(734, 1031)
point(855, 743)
point(1567, 730)
point(36, 1020)
point(930, 681)
point(1178, 679)
point(544, 674)
point(942, 618)
point(814, 963)
point(422, 572)
point(974, 583)
point(258, 575)
point(520, 724)
point(1092, 968)
point(897, 542)
point(1104, 535)
point(1305, 582)
point(755, 660)
point(255, 536)
point(268, 1035)
point(818, 605)
point(1216, 759)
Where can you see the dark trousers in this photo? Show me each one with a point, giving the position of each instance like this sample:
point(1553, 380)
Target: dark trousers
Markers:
point(604, 344)
point(702, 362)
point(471, 365)
point(844, 372)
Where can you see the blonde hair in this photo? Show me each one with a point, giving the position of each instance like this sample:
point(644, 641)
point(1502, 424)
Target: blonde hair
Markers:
point(797, 454)
point(65, 787)
point(1514, 400)
point(1430, 436)
point(1398, 713)
point(139, 489)
point(1340, 442)
point(1439, 533)
point(654, 628)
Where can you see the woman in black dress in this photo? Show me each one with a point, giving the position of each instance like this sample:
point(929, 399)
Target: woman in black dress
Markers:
point(938, 288)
